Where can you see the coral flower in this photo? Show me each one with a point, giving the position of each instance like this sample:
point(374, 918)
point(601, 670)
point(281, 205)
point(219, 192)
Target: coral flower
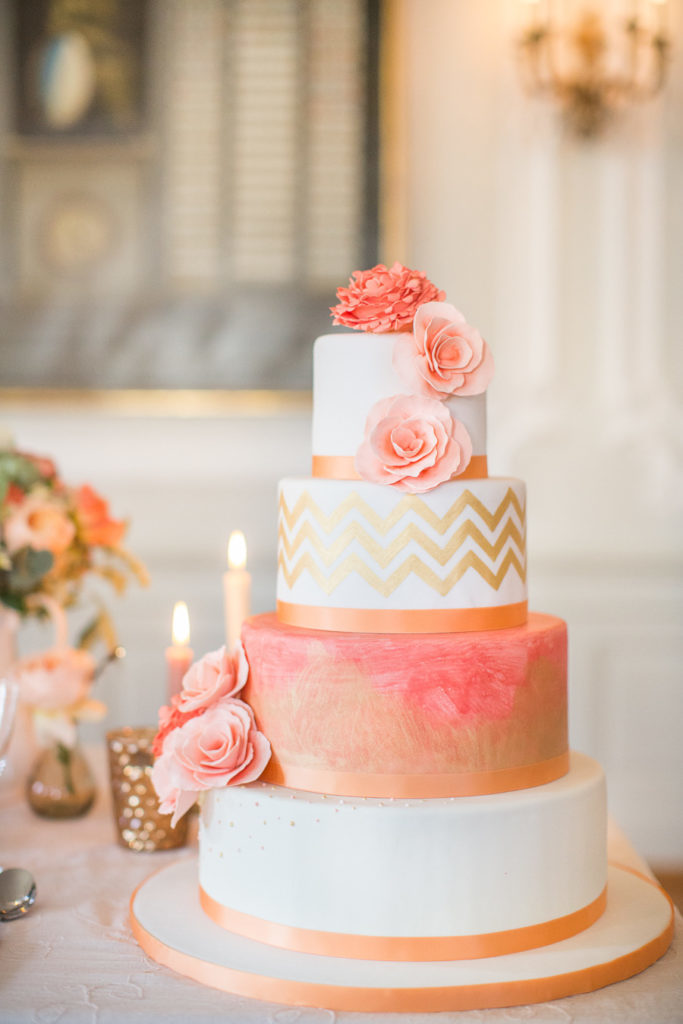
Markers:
point(381, 300)
point(95, 524)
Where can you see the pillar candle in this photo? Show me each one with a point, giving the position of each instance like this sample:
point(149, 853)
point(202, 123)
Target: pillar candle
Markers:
point(179, 655)
point(236, 589)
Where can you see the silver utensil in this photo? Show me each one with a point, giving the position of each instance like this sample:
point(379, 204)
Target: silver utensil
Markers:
point(17, 893)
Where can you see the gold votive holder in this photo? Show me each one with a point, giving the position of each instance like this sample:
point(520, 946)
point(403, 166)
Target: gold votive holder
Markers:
point(140, 825)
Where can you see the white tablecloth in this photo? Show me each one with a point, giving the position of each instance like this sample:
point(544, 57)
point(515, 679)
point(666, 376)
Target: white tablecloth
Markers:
point(73, 959)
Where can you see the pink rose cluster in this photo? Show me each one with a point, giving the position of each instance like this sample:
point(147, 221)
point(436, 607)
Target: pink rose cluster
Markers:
point(383, 299)
point(208, 737)
point(411, 441)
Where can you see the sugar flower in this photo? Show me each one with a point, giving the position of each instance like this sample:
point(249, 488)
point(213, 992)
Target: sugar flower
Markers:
point(220, 747)
point(383, 299)
point(413, 444)
point(444, 355)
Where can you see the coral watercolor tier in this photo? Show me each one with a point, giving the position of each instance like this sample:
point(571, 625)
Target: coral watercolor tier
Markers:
point(358, 557)
point(351, 372)
point(410, 715)
point(407, 879)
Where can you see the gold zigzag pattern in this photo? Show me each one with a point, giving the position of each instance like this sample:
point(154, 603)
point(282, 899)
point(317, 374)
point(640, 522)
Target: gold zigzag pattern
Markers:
point(409, 503)
point(442, 554)
point(412, 564)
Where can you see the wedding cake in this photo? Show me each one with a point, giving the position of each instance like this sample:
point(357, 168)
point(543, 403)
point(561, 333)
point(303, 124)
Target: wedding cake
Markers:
point(388, 776)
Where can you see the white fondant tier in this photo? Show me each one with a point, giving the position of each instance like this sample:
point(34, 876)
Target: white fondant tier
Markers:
point(434, 868)
point(353, 371)
point(357, 556)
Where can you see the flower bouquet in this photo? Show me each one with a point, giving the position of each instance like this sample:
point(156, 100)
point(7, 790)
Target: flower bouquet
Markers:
point(53, 538)
point(208, 737)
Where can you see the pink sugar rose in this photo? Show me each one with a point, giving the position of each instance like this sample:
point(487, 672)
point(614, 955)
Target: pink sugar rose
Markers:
point(443, 356)
point(221, 747)
point(413, 444)
point(381, 300)
point(218, 674)
point(56, 679)
point(38, 523)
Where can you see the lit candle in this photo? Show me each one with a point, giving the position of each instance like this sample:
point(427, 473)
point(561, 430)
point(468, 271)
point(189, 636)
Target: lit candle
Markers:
point(179, 655)
point(236, 588)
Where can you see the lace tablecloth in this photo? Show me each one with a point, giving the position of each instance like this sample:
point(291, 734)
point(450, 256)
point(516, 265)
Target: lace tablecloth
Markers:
point(73, 959)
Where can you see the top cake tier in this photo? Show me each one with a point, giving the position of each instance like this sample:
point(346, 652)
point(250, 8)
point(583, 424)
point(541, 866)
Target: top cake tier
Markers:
point(351, 373)
point(402, 401)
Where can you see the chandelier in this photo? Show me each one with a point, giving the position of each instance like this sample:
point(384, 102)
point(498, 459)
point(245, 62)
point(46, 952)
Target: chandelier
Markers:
point(591, 64)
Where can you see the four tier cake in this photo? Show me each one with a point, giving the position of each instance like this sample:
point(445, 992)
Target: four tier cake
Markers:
point(385, 763)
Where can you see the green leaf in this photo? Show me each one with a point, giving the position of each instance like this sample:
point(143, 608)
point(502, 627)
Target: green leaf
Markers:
point(17, 469)
point(15, 601)
point(28, 570)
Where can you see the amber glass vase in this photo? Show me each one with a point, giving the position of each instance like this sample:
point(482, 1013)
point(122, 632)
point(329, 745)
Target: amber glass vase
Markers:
point(61, 783)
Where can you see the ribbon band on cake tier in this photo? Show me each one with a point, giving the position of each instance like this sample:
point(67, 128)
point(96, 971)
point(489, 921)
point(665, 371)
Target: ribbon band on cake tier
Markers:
point(402, 620)
point(343, 467)
point(408, 948)
point(415, 787)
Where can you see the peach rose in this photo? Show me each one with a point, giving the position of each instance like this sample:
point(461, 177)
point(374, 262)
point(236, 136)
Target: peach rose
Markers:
point(218, 674)
point(444, 355)
point(413, 444)
point(95, 524)
point(381, 299)
point(40, 524)
point(57, 679)
point(221, 747)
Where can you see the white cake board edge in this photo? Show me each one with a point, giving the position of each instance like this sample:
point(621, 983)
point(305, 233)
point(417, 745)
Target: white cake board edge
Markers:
point(171, 927)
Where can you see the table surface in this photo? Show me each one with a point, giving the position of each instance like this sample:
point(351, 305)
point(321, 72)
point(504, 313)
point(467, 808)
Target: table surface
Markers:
point(73, 958)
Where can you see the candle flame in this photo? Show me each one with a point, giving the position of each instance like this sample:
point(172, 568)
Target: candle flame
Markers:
point(237, 550)
point(181, 624)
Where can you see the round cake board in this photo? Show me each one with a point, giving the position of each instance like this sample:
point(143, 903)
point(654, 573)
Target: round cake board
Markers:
point(634, 931)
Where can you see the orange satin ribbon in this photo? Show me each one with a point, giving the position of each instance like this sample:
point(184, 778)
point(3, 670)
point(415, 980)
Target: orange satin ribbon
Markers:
point(410, 948)
point(402, 620)
point(343, 467)
point(485, 996)
point(416, 787)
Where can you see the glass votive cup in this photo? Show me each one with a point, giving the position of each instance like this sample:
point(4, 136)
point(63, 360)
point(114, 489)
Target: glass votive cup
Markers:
point(140, 826)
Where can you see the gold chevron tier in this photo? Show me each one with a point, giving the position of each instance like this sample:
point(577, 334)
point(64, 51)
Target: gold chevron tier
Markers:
point(369, 552)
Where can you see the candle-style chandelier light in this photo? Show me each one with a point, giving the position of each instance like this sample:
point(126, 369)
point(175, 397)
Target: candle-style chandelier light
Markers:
point(594, 64)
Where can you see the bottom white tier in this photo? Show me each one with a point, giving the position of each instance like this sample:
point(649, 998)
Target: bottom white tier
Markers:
point(437, 879)
point(635, 929)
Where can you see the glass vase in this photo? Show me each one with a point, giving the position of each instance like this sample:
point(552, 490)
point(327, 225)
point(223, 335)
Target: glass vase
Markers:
point(61, 783)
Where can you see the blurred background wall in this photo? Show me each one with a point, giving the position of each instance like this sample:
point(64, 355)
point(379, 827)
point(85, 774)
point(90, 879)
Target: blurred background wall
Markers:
point(568, 254)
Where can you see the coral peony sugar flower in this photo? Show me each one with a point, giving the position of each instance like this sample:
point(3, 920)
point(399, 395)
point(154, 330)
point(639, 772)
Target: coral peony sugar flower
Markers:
point(383, 299)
